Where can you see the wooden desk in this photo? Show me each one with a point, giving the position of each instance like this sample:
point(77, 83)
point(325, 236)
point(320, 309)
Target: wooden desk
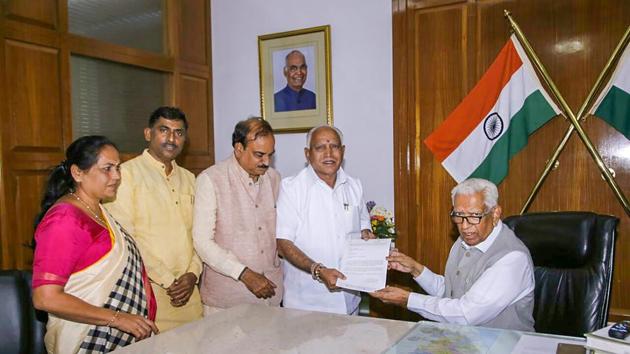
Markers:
point(263, 329)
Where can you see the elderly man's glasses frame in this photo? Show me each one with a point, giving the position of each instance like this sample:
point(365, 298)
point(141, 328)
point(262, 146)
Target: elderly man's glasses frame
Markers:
point(473, 219)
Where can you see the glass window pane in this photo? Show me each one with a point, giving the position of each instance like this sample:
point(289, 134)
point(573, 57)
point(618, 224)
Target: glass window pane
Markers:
point(136, 24)
point(114, 100)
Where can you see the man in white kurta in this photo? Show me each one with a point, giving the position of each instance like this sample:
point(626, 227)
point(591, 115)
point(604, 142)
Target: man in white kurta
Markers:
point(318, 210)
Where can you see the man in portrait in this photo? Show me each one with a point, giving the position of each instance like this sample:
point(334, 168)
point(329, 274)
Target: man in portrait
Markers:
point(294, 96)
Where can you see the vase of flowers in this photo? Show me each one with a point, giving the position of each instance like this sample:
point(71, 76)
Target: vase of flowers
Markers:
point(382, 221)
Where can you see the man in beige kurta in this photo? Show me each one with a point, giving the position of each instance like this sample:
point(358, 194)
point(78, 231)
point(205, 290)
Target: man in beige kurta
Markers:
point(235, 222)
point(154, 204)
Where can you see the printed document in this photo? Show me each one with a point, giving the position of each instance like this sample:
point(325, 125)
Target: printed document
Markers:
point(364, 264)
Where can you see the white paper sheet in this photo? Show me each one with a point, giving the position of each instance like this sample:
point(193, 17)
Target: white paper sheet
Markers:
point(541, 345)
point(364, 264)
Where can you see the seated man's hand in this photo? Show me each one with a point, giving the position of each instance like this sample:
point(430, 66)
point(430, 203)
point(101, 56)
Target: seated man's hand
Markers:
point(392, 295)
point(329, 277)
point(181, 289)
point(403, 263)
point(367, 235)
point(258, 284)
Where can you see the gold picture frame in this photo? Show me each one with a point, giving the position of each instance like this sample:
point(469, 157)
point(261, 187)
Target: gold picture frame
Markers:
point(295, 80)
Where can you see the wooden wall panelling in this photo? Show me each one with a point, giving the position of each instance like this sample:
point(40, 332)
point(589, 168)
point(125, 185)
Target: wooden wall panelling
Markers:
point(4, 225)
point(40, 13)
point(210, 160)
point(402, 92)
point(193, 87)
point(28, 187)
point(404, 145)
point(193, 101)
point(453, 44)
point(33, 102)
point(193, 27)
point(35, 99)
point(118, 53)
point(66, 80)
point(31, 34)
point(32, 125)
point(24, 175)
point(443, 72)
point(7, 242)
point(24, 190)
point(3, 172)
point(3, 215)
point(574, 37)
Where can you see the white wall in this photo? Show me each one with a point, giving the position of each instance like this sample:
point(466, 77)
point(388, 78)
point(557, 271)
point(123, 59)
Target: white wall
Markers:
point(361, 35)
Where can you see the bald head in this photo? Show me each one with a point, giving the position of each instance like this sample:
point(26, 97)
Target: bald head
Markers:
point(295, 70)
point(311, 133)
point(325, 152)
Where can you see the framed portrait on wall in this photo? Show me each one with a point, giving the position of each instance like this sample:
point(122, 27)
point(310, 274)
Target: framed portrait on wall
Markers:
point(295, 83)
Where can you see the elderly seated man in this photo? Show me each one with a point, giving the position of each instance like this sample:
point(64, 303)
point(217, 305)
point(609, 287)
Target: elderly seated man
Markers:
point(489, 277)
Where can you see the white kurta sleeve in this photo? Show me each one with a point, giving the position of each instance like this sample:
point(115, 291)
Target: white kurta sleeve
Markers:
point(505, 282)
point(287, 213)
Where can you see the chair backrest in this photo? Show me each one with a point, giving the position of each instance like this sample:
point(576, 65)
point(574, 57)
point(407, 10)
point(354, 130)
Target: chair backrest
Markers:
point(13, 317)
point(573, 256)
point(37, 320)
point(22, 327)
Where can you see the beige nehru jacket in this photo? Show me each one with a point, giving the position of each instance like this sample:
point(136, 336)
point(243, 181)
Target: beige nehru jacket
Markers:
point(234, 223)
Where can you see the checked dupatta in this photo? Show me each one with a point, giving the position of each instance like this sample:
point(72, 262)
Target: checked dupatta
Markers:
point(127, 296)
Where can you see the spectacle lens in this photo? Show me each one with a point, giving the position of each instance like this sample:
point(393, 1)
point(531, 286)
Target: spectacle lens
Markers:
point(471, 219)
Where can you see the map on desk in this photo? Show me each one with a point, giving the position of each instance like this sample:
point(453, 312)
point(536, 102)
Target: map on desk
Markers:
point(430, 338)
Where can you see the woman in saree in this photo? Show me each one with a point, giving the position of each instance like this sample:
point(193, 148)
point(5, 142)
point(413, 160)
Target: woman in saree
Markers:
point(87, 271)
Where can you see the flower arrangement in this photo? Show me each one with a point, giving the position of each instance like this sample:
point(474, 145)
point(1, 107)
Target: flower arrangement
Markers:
point(382, 221)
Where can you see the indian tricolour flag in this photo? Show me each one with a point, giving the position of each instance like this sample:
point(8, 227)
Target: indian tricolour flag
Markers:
point(494, 121)
point(613, 104)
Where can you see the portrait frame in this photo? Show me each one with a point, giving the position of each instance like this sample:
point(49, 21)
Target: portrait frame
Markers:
point(314, 45)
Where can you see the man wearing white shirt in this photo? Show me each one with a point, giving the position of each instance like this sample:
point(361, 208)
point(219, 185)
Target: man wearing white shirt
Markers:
point(489, 276)
point(319, 209)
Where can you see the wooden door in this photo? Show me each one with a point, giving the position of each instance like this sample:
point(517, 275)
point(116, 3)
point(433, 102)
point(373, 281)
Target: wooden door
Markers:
point(35, 99)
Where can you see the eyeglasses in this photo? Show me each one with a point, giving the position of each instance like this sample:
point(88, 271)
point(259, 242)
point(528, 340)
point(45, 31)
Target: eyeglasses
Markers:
point(473, 219)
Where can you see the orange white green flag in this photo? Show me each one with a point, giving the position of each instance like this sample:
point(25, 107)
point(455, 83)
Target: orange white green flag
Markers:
point(613, 104)
point(494, 120)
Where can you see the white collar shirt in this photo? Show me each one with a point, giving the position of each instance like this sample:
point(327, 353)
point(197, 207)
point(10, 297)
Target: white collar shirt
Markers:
point(507, 281)
point(318, 220)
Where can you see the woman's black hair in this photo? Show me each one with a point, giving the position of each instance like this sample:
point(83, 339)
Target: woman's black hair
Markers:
point(83, 152)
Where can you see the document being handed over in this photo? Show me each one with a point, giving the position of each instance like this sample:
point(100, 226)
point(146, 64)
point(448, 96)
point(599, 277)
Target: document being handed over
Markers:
point(364, 265)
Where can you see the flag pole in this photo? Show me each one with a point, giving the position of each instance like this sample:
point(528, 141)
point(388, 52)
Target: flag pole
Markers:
point(569, 113)
point(581, 115)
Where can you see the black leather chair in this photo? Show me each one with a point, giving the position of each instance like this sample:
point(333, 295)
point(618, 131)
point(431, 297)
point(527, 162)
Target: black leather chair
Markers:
point(21, 327)
point(37, 320)
point(573, 259)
